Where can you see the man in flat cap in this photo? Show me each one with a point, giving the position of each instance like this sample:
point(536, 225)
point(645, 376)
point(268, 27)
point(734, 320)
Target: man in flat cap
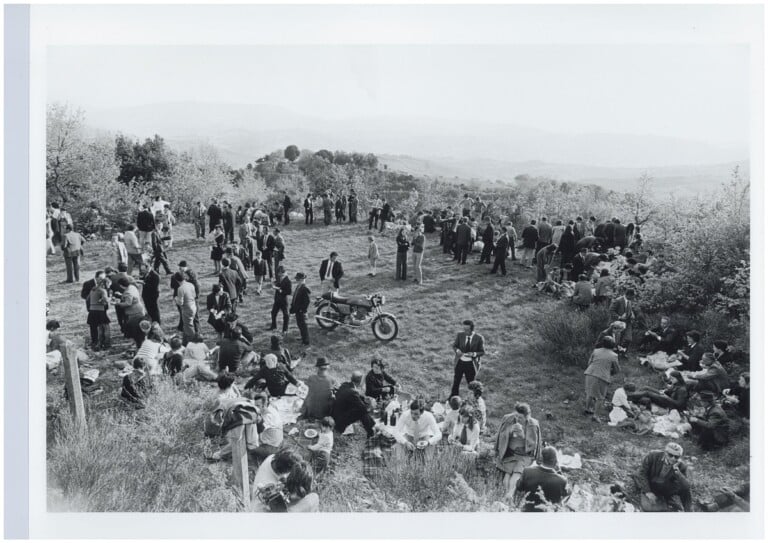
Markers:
point(663, 481)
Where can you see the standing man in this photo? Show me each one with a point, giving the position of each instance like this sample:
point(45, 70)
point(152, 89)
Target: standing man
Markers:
point(466, 206)
point(500, 253)
point(214, 214)
point(259, 271)
point(287, 205)
point(230, 282)
point(187, 303)
point(373, 216)
point(268, 250)
point(236, 264)
point(463, 241)
point(309, 213)
point(198, 214)
point(386, 209)
point(530, 242)
point(282, 288)
point(487, 238)
point(579, 228)
point(331, 273)
point(146, 223)
point(469, 347)
point(72, 245)
point(327, 209)
point(150, 293)
point(158, 250)
point(545, 234)
point(133, 248)
point(352, 201)
point(300, 305)
point(228, 218)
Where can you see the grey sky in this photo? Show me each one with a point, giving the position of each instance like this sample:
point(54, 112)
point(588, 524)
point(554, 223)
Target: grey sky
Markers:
point(694, 87)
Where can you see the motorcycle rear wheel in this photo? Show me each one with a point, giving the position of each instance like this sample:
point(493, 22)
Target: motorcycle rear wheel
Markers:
point(385, 327)
point(329, 311)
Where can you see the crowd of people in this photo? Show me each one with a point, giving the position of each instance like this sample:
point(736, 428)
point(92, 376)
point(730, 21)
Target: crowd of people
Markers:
point(594, 262)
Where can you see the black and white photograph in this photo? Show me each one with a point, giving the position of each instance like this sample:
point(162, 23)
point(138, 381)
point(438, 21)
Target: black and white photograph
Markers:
point(370, 259)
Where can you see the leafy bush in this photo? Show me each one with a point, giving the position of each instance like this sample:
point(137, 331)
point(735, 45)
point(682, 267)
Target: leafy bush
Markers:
point(568, 335)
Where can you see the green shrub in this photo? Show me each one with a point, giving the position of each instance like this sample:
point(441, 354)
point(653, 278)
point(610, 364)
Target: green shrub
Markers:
point(568, 335)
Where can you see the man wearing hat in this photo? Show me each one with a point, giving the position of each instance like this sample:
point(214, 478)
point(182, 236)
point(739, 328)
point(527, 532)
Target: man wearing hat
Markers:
point(663, 478)
point(469, 347)
point(319, 400)
point(282, 287)
point(300, 305)
point(712, 428)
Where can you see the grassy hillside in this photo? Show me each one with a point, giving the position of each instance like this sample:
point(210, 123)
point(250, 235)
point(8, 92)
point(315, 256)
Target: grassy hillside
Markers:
point(166, 444)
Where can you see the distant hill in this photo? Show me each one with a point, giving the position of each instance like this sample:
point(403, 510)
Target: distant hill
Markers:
point(451, 149)
point(681, 180)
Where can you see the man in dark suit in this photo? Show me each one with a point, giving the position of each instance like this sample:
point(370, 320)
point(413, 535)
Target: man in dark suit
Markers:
point(268, 249)
point(300, 305)
point(463, 241)
point(228, 219)
point(500, 253)
point(214, 214)
point(145, 221)
point(386, 210)
point(85, 292)
point(191, 277)
point(229, 281)
point(712, 428)
point(543, 477)
point(218, 305)
point(150, 293)
point(469, 347)
point(350, 406)
point(287, 205)
point(662, 338)
point(692, 354)
point(282, 288)
point(485, 256)
point(158, 250)
point(331, 272)
point(545, 234)
point(530, 238)
point(619, 234)
point(608, 233)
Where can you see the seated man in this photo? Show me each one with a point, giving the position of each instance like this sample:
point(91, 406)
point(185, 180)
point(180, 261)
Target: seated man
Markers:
point(320, 387)
point(663, 477)
point(712, 377)
point(417, 425)
point(233, 352)
point(273, 376)
point(545, 477)
point(137, 385)
point(378, 383)
point(664, 337)
point(271, 437)
point(616, 331)
point(711, 429)
point(738, 397)
point(675, 396)
point(691, 355)
point(350, 406)
point(284, 470)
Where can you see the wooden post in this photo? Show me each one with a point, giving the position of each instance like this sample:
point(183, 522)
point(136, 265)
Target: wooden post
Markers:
point(72, 382)
point(240, 464)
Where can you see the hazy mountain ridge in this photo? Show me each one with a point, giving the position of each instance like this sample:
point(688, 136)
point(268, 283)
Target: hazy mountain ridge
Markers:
point(451, 149)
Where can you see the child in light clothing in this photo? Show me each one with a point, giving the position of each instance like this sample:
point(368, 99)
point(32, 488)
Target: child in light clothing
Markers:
point(321, 451)
point(373, 255)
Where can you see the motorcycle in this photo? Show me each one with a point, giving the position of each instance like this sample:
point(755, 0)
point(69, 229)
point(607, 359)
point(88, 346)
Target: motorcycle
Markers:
point(356, 311)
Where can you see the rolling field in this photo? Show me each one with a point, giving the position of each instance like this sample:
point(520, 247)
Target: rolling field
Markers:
point(421, 359)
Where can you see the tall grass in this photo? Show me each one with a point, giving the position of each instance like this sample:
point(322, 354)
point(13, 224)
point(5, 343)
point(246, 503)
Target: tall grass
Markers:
point(142, 461)
point(568, 335)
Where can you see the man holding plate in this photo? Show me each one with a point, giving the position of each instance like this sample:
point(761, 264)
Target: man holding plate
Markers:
point(469, 347)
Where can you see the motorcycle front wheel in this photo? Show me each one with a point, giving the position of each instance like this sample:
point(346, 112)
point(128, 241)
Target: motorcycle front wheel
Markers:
point(327, 311)
point(385, 327)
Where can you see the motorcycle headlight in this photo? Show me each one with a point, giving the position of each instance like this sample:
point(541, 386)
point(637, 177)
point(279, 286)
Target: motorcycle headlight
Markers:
point(383, 299)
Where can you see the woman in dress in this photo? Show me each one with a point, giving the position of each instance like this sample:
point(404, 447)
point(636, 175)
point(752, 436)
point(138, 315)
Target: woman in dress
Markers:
point(98, 320)
point(217, 251)
point(518, 444)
